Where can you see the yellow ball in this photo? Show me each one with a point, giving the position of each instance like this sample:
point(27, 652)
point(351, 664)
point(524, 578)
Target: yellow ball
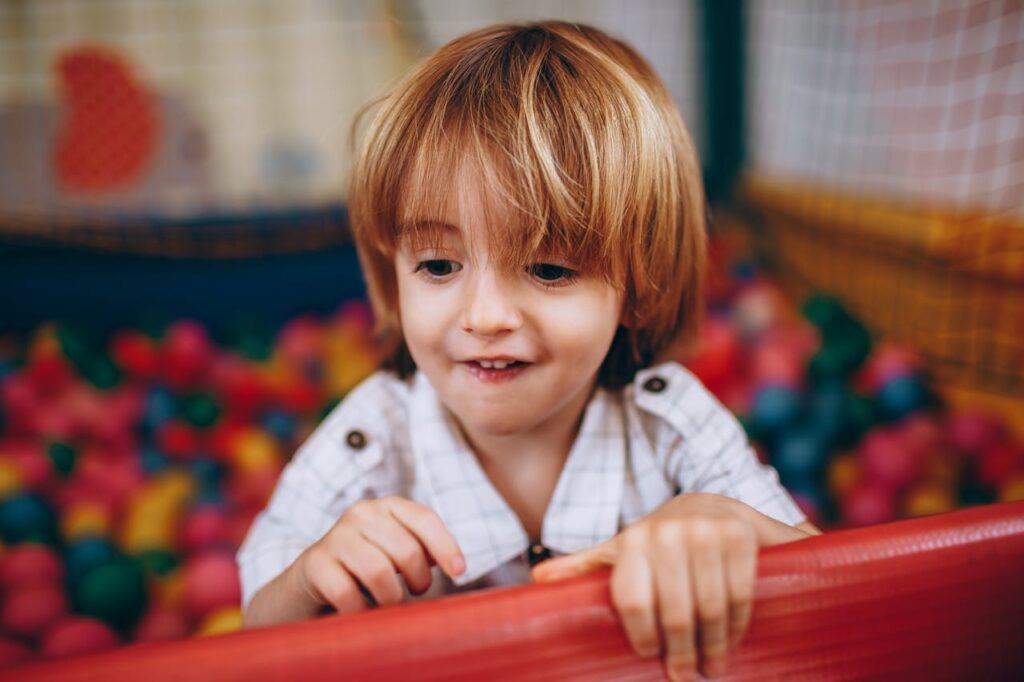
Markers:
point(254, 451)
point(222, 621)
point(844, 473)
point(1012, 489)
point(86, 518)
point(11, 479)
point(928, 498)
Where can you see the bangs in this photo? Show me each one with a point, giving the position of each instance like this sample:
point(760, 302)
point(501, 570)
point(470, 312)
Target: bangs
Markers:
point(535, 125)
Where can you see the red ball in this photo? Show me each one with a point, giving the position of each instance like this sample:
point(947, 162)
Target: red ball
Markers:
point(13, 652)
point(49, 373)
point(30, 609)
point(889, 461)
point(77, 635)
point(211, 583)
point(205, 527)
point(31, 461)
point(162, 623)
point(718, 355)
point(30, 562)
point(187, 354)
point(999, 462)
point(922, 432)
point(135, 354)
point(178, 439)
point(20, 403)
point(867, 505)
point(972, 432)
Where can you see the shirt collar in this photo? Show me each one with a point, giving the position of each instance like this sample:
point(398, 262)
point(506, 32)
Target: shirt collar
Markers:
point(584, 509)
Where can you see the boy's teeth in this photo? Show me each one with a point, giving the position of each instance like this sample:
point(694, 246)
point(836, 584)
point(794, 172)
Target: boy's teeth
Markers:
point(494, 364)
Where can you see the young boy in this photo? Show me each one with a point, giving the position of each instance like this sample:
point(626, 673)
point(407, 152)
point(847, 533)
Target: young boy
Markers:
point(528, 213)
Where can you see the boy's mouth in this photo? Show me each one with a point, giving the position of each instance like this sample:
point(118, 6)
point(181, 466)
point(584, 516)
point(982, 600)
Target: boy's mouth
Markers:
point(495, 371)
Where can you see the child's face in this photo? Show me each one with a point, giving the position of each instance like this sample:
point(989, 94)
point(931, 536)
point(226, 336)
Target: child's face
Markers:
point(461, 311)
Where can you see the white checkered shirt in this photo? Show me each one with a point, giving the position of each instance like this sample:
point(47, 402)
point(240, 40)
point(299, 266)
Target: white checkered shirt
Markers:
point(636, 448)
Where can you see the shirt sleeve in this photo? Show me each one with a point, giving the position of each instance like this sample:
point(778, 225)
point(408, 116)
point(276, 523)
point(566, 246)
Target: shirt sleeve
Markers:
point(706, 448)
point(329, 472)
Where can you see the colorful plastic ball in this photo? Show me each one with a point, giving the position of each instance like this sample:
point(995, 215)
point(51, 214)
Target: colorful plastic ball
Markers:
point(83, 555)
point(777, 365)
point(889, 461)
point(135, 354)
point(209, 474)
point(845, 472)
point(178, 440)
point(279, 424)
point(799, 455)
point(162, 624)
point(998, 462)
point(114, 592)
point(28, 610)
point(30, 562)
point(152, 460)
point(49, 373)
point(100, 371)
point(254, 450)
point(972, 432)
point(12, 481)
point(200, 410)
point(13, 652)
point(159, 408)
point(211, 583)
point(1012, 489)
point(220, 622)
point(27, 517)
point(186, 355)
point(62, 456)
point(868, 504)
point(900, 396)
point(887, 362)
point(76, 636)
point(158, 562)
point(718, 354)
point(922, 432)
point(927, 498)
point(824, 311)
point(840, 354)
point(86, 519)
point(774, 409)
point(205, 527)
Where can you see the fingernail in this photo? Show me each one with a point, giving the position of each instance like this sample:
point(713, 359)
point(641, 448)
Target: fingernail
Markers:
point(458, 566)
point(715, 667)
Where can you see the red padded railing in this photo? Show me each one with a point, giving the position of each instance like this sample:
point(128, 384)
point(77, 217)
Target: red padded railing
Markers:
point(936, 598)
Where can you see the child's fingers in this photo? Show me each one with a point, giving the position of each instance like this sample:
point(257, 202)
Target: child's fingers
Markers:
point(712, 599)
point(740, 576)
point(403, 549)
point(632, 589)
point(368, 565)
point(424, 523)
point(674, 589)
point(330, 584)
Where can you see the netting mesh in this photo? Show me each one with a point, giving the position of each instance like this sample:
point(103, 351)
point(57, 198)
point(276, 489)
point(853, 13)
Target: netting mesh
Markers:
point(908, 98)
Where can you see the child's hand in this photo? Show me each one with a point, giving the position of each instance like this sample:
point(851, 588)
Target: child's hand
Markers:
point(683, 578)
point(372, 542)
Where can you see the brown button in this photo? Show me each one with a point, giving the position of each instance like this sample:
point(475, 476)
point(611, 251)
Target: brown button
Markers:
point(655, 385)
point(537, 553)
point(355, 439)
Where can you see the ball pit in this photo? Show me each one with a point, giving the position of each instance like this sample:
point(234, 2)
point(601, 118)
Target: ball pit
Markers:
point(132, 465)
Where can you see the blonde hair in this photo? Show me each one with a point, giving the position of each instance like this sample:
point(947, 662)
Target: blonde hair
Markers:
point(575, 135)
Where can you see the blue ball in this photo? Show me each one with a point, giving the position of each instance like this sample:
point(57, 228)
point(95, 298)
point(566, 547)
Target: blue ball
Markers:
point(160, 408)
point(279, 424)
point(799, 455)
point(153, 461)
point(85, 554)
point(208, 474)
point(900, 396)
point(774, 409)
point(27, 516)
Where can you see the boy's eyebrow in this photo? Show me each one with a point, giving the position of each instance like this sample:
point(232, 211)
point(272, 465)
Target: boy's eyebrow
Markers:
point(424, 224)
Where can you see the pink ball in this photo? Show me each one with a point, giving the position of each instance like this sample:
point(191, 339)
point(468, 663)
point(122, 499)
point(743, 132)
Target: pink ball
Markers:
point(30, 609)
point(30, 562)
point(13, 652)
point(778, 365)
point(206, 527)
point(922, 432)
point(889, 460)
point(77, 635)
point(999, 462)
point(187, 354)
point(867, 505)
point(161, 624)
point(972, 432)
point(211, 582)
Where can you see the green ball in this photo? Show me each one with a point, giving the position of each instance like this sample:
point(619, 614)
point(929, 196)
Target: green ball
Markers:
point(159, 562)
point(824, 311)
point(114, 592)
point(101, 372)
point(63, 457)
point(200, 410)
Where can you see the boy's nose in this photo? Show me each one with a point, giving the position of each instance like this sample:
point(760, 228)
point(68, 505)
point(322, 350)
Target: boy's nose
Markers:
point(490, 306)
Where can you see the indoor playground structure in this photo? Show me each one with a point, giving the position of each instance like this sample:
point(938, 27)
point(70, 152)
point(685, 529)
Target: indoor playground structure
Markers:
point(180, 304)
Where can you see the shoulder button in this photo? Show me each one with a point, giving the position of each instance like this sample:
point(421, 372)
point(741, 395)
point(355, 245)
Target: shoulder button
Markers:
point(655, 385)
point(356, 439)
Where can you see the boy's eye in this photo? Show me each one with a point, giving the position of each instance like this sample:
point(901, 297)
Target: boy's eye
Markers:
point(550, 273)
point(438, 267)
